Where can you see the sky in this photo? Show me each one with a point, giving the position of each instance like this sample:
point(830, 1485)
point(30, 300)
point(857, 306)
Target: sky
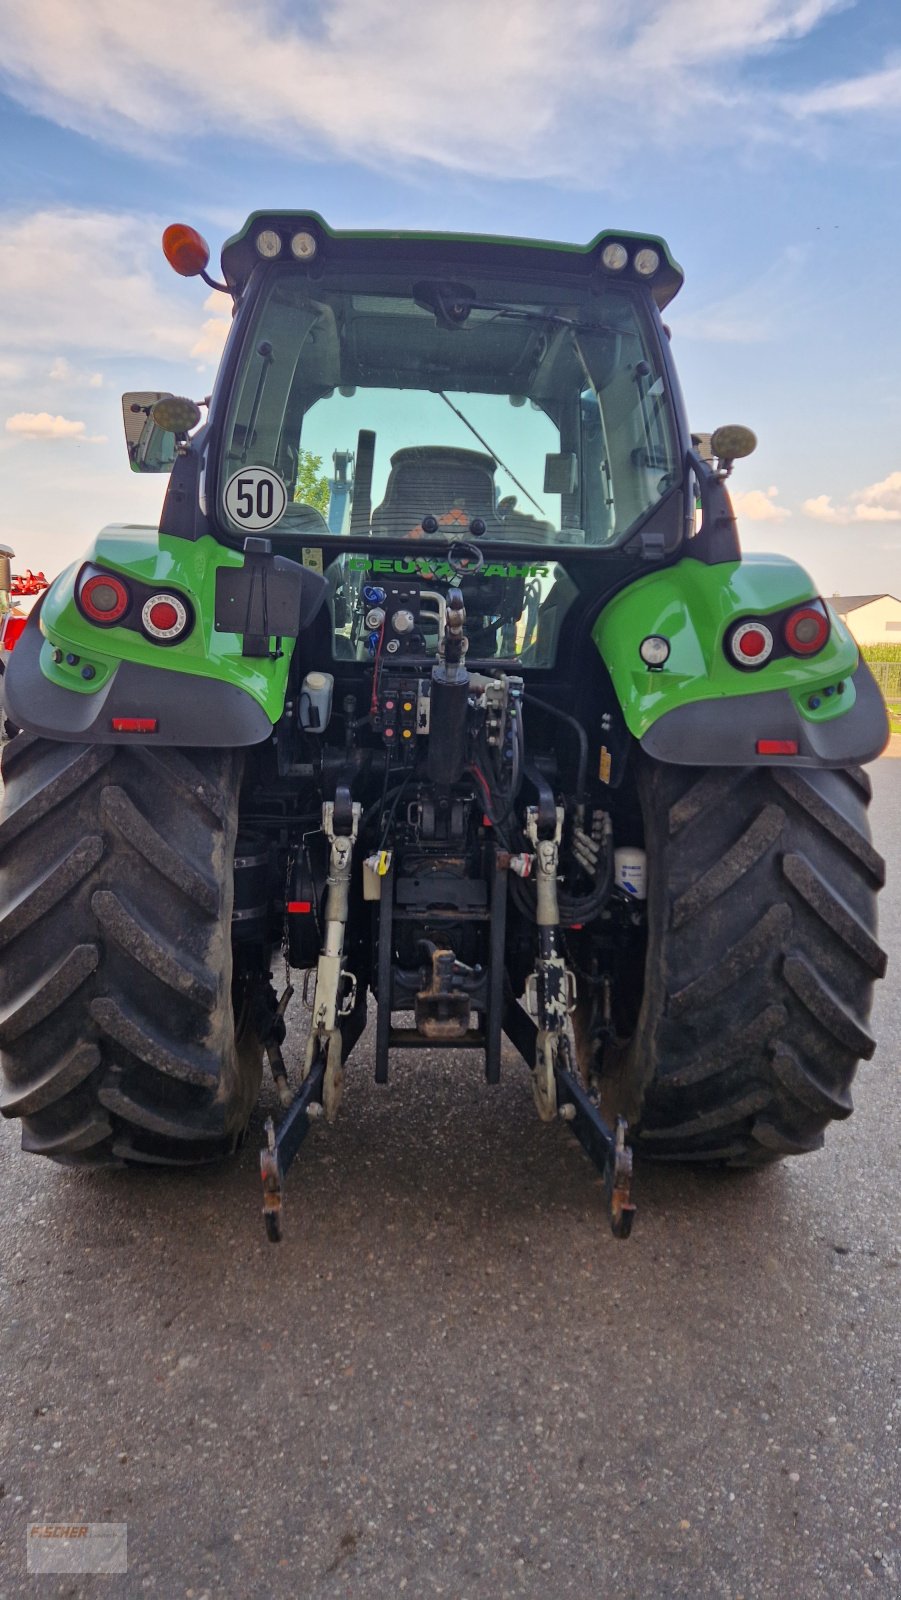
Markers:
point(760, 138)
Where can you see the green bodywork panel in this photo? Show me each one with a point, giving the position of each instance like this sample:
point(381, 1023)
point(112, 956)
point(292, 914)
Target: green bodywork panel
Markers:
point(179, 564)
point(692, 605)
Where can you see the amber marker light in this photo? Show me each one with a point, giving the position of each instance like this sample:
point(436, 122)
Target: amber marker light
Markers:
point(186, 251)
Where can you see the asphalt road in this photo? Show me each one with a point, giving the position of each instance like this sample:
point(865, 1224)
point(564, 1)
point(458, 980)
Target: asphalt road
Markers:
point(450, 1379)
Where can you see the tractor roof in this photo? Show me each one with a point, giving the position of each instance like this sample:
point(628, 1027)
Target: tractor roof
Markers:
point(378, 249)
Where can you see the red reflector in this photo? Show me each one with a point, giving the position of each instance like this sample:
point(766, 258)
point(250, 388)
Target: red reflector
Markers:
point(300, 907)
point(12, 628)
point(134, 724)
point(163, 615)
point(777, 747)
point(753, 643)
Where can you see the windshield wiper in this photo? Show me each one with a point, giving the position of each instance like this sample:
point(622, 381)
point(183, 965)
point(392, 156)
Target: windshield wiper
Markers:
point(493, 453)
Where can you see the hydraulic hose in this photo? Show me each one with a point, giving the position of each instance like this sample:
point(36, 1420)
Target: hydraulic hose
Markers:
point(579, 731)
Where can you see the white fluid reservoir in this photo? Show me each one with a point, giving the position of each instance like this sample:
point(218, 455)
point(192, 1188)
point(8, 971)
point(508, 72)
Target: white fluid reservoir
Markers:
point(315, 705)
point(630, 871)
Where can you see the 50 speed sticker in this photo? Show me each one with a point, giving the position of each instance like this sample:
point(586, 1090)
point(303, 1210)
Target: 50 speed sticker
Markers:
point(255, 498)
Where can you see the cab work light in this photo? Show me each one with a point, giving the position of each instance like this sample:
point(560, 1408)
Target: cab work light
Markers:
point(646, 262)
point(614, 257)
point(268, 243)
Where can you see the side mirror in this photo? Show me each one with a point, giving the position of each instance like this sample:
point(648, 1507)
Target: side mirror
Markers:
point(151, 448)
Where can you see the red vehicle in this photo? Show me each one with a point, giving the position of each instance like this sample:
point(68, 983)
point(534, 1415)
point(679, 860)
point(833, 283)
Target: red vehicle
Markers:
point(18, 594)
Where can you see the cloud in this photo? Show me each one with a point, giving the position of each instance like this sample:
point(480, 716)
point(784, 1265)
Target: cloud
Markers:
point(755, 312)
point(41, 425)
point(879, 502)
point(872, 91)
point(822, 509)
point(93, 282)
point(62, 371)
point(214, 332)
point(482, 86)
point(759, 505)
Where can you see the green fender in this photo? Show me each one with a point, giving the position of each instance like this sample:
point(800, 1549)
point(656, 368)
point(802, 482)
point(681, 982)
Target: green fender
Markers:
point(702, 709)
point(202, 690)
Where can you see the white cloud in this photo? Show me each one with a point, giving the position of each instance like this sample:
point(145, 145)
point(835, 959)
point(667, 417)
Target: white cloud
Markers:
point(214, 332)
point(91, 282)
point(878, 502)
point(872, 91)
point(755, 312)
point(62, 371)
point(822, 509)
point(483, 86)
point(41, 425)
point(759, 505)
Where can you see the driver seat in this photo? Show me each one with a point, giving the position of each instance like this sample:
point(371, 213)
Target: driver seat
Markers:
point(452, 485)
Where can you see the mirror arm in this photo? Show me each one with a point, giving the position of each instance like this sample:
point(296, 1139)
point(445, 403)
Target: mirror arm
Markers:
point(717, 538)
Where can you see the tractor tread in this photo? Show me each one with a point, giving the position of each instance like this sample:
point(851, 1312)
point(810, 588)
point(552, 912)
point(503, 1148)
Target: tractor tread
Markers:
point(757, 839)
point(735, 962)
point(48, 992)
point(23, 812)
point(49, 890)
point(806, 1087)
point(118, 1041)
point(173, 968)
point(834, 911)
point(91, 1129)
point(117, 808)
point(829, 817)
point(825, 1006)
point(204, 1124)
point(35, 1093)
point(123, 1026)
point(762, 954)
point(743, 1040)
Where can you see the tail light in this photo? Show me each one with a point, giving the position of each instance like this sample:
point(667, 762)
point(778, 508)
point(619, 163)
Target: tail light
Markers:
point(751, 644)
point(806, 630)
point(103, 598)
point(11, 630)
point(165, 617)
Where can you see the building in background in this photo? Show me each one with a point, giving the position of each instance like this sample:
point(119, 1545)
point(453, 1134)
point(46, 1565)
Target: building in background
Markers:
point(872, 618)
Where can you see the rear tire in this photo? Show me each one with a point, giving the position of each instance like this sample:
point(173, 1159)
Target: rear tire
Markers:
point(760, 962)
point(118, 1040)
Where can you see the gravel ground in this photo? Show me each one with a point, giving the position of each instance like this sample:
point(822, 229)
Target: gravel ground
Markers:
point(450, 1379)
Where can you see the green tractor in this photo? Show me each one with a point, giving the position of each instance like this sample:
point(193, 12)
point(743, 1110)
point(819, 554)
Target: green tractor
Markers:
point(443, 680)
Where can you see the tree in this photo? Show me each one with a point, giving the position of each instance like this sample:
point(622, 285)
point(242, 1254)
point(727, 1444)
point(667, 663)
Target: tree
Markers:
point(311, 487)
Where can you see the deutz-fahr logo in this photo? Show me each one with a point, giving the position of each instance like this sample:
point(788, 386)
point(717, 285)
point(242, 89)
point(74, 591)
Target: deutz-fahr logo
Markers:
point(421, 567)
